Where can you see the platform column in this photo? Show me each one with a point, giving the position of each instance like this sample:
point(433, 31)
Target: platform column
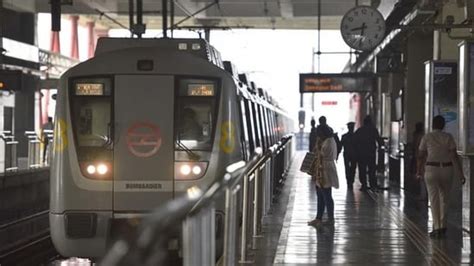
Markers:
point(91, 39)
point(74, 38)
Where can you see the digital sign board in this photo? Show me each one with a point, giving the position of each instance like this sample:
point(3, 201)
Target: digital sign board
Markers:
point(344, 82)
point(200, 89)
point(89, 89)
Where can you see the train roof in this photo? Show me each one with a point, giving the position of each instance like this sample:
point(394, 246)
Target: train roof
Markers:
point(199, 47)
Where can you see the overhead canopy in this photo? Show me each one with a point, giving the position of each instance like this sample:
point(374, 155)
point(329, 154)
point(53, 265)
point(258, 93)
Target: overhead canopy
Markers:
point(273, 14)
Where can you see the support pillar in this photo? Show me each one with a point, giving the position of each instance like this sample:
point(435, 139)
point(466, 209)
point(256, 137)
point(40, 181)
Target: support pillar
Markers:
point(99, 33)
point(55, 42)
point(419, 47)
point(74, 38)
point(1, 34)
point(91, 39)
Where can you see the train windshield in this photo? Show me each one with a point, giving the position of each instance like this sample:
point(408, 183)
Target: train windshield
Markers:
point(91, 116)
point(196, 104)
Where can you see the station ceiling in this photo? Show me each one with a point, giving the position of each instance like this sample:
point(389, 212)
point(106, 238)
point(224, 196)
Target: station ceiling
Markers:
point(266, 14)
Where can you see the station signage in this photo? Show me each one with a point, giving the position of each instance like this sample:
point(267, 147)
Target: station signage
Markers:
point(344, 82)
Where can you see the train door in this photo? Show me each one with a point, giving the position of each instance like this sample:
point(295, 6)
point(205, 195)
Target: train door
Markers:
point(144, 142)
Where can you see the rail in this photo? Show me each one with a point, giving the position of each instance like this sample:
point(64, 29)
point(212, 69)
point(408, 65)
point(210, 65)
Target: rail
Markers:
point(18, 235)
point(248, 188)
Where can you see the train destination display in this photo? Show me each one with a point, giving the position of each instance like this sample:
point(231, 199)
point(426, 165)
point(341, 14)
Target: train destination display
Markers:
point(345, 82)
point(89, 89)
point(200, 89)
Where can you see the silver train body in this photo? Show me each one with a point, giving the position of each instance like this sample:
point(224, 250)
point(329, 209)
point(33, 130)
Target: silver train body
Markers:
point(137, 125)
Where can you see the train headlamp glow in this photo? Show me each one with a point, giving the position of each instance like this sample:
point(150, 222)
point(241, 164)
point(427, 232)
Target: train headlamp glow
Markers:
point(102, 169)
point(190, 170)
point(97, 170)
point(185, 169)
point(197, 170)
point(91, 169)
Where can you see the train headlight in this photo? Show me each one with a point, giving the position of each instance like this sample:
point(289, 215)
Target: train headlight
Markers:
point(190, 170)
point(91, 169)
point(96, 170)
point(102, 169)
point(197, 170)
point(185, 169)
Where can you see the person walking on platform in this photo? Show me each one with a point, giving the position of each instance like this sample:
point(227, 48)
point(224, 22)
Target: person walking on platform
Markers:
point(350, 158)
point(366, 139)
point(322, 126)
point(312, 135)
point(437, 156)
point(325, 175)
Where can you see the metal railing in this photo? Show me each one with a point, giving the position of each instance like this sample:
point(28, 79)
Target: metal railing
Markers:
point(34, 149)
point(10, 145)
point(248, 188)
point(47, 141)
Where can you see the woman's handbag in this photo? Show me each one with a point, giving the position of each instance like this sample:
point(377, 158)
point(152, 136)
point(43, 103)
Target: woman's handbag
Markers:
point(307, 165)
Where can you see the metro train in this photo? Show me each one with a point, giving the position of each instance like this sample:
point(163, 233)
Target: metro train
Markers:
point(138, 124)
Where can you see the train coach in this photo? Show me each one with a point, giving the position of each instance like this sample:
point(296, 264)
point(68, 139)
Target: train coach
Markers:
point(141, 122)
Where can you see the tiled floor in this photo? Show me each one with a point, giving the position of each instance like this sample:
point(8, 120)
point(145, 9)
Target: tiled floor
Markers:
point(370, 229)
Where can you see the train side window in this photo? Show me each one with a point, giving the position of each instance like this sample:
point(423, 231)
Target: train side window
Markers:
point(272, 126)
point(250, 125)
point(244, 129)
point(267, 126)
point(279, 125)
point(254, 109)
point(261, 126)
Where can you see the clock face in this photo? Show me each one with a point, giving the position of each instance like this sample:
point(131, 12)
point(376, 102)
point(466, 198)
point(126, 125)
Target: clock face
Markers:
point(363, 28)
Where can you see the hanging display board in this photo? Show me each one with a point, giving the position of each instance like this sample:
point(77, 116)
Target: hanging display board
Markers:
point(344, 82)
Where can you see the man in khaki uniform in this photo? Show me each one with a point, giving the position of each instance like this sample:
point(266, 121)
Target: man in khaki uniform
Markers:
point(437, 160)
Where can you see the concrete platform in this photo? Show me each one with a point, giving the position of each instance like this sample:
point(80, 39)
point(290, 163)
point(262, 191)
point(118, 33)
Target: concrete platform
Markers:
point(384, 228)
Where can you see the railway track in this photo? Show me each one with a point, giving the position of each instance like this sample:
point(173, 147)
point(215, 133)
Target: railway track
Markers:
point(27, 241)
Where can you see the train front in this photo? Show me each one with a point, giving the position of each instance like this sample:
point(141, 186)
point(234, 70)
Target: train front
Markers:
point(134, 128)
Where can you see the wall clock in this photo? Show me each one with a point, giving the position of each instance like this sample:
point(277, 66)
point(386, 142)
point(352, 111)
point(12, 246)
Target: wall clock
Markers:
point(363, 28)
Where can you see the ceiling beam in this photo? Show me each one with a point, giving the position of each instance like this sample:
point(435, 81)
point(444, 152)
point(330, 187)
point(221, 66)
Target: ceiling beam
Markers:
point(189, 7)
point(286, 8)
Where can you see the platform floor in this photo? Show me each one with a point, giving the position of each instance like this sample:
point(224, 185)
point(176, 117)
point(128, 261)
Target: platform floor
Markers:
point(385, 228)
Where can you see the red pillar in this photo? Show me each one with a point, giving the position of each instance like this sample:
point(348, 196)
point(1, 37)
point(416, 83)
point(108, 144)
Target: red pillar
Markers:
point(101, 33)
point(44, 100)
point(74, 38)
point(55, 42)
point(91, 40)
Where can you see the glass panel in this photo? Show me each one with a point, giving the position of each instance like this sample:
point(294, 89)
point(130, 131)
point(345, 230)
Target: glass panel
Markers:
point(92, 116)
point(195, 123)
point(251, 125)
point(92, 120)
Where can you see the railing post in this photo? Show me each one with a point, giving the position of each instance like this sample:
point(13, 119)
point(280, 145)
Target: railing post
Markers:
point(259, 188)
point(14, 158)
point(243, 242)
point(230, 226)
